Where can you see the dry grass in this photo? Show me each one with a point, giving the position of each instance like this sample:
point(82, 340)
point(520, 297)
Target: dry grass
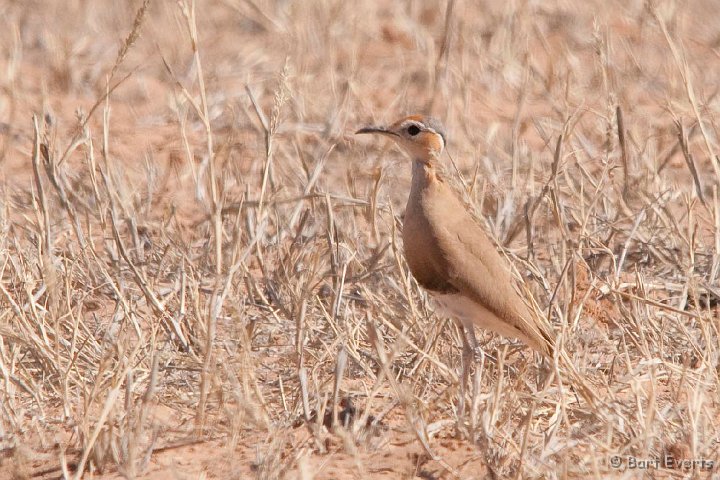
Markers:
point(202, 272)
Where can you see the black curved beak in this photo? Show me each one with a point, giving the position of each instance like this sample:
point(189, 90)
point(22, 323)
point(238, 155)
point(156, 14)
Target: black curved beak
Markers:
point(380, 130)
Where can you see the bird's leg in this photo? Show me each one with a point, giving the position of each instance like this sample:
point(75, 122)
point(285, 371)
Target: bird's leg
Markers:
point(478, 353)
point(468, 358)
point(471, 340)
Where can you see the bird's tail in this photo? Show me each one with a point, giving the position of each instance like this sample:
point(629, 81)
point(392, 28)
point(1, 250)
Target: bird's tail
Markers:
point(538, 332)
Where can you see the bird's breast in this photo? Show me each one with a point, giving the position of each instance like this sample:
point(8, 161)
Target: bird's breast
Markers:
point(423, 252)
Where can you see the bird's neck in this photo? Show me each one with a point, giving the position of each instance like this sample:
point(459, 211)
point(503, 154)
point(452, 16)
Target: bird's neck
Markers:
point(423, 173)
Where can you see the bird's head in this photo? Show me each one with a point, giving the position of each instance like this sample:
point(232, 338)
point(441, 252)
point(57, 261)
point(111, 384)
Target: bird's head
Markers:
point(420, 136)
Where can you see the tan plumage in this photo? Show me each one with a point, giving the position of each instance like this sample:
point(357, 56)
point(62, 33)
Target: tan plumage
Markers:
point(448, 253)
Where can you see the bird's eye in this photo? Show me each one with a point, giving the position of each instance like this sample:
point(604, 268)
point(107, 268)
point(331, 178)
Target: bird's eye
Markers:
point(413, 130)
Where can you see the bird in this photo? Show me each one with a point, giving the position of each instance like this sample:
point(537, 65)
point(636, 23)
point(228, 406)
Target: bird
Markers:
point(449, 253)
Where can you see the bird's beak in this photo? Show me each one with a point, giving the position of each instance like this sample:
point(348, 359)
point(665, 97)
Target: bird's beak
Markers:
point(380, 130)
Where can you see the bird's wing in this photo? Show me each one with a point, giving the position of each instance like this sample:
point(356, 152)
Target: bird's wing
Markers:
point(483, 275)
point(476, 269)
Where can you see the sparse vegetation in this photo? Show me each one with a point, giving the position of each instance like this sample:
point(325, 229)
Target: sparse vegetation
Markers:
point(201, 267)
